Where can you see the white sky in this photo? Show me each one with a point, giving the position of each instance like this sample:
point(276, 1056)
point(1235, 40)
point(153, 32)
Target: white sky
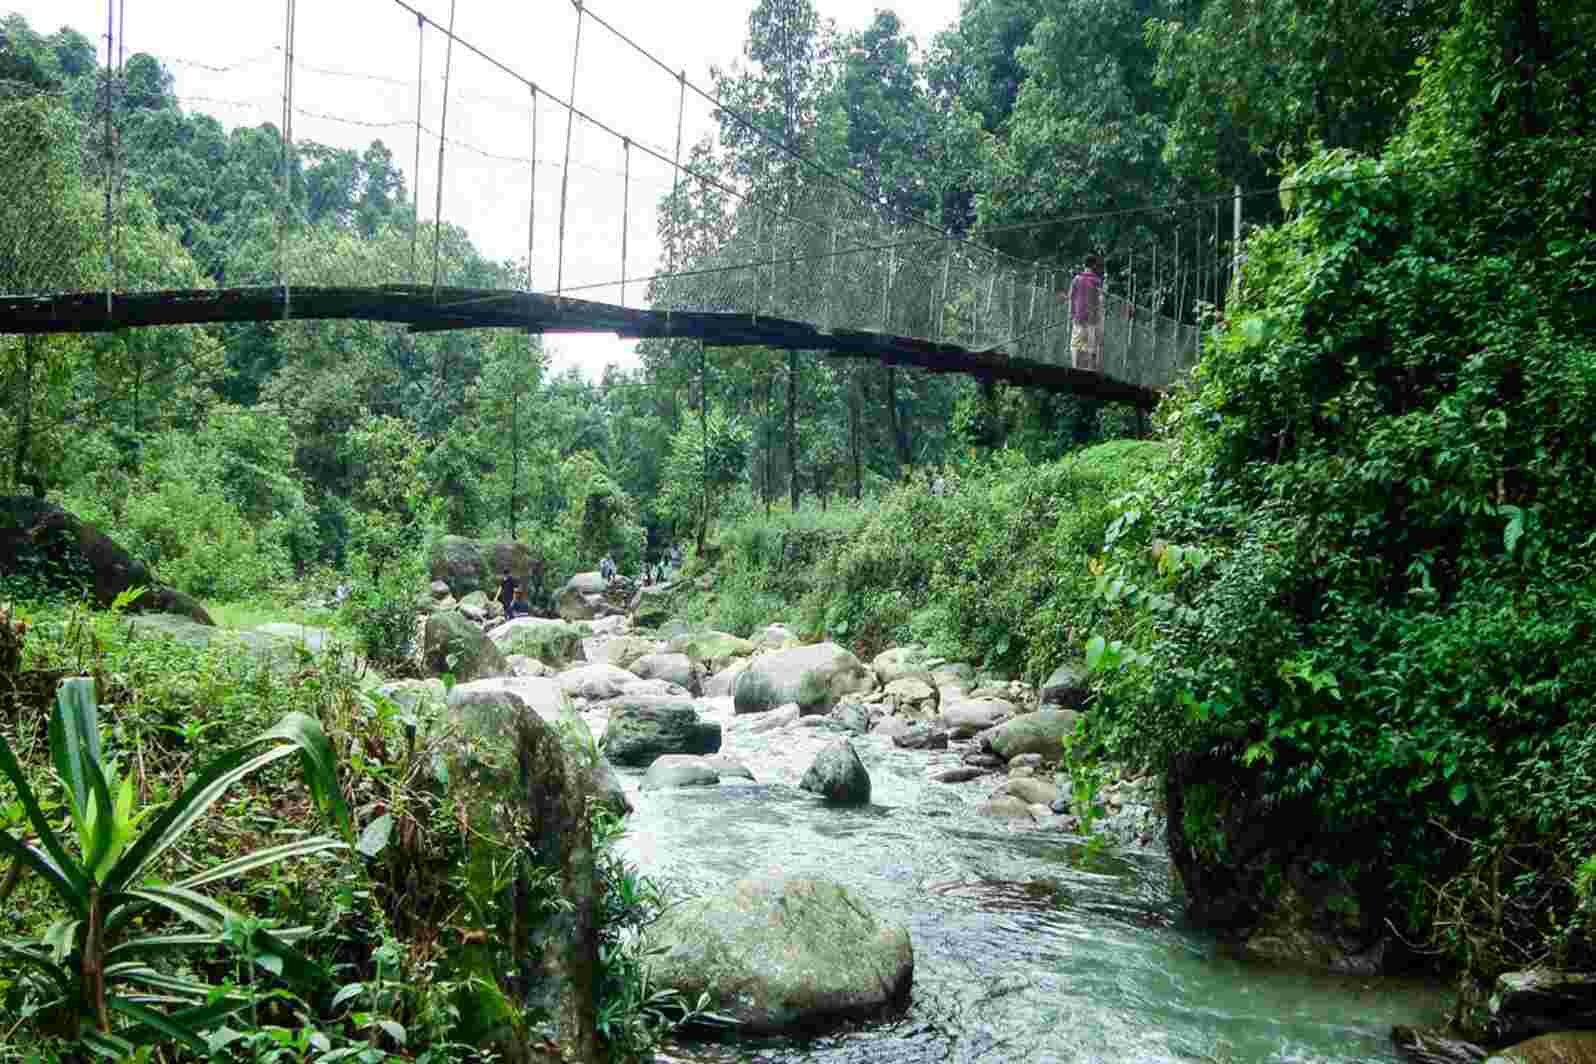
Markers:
point(488, 110)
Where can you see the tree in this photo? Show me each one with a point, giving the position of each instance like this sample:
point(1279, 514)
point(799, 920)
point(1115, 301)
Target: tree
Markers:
point(1255, 87)
point(705, 464)
point(46, 243)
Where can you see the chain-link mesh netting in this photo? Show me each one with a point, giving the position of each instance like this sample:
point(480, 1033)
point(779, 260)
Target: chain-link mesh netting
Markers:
point(499, 183)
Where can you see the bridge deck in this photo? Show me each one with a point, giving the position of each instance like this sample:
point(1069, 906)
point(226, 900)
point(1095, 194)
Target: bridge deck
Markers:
point(474, 308)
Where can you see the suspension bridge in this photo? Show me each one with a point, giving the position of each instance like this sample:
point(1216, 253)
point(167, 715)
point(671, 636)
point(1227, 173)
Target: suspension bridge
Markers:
point(813, 262)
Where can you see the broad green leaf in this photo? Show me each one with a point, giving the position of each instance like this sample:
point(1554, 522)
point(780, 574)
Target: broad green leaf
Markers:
point(108, 1046)
point(1095, 647)
point(349, 990)
point(260, 859)
point(1459, 793)
point(68, 873)
point(97, 857)
point(320, 765)
point(42, 866)
point(375, 838)
point(127, 597)
point(393, 1030)
point(74, 736)
point(155, 1021)
point(61, 937)
point(34, 954)
point(176, 819)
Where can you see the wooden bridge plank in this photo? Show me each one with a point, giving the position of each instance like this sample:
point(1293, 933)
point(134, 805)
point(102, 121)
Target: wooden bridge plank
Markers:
point(469, 308)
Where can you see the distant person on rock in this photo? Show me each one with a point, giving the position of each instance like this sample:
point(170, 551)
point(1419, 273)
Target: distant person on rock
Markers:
point(1086, 316)
point(519, 606)
point(507, 592)
point(607, 568)
point(676, 557)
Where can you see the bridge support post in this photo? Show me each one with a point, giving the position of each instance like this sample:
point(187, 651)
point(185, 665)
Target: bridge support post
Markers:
point(831, 282)
point(942, 301)
point(626, 204)
point(886, 292)
point(565, 173)
point(532, 196)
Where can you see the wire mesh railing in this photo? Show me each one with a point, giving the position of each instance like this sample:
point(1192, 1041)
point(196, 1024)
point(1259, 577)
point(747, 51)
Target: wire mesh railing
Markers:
point(612, 198)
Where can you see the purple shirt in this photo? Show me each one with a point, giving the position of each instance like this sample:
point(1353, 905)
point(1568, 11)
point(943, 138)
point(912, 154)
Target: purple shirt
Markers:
point(1085, 296)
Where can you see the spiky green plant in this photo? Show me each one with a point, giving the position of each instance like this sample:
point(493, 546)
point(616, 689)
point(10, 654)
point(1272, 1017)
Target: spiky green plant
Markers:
point(97, 958)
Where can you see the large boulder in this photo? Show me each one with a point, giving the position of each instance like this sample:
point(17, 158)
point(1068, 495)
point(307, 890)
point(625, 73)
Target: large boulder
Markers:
point(672, 668)
point(452, 644)
point(468, 565)
point(1068, 686)
point(39, 539)
point(554, 643)
point(783, 955)
point(679, 770)
point(651, 606)
point(816, 677)
point(1541, 1001)
point(582, 597)
point(622, 650)
point(921, 736)
point(655, 687)
point(1040, 733)
point(519, 784)
point(542, 696)
point(1006, 807)
point(642, 727)
point(313, 639)
point(521, 665)
point(1563, 1047)
point(539, 694)
point(276, 653)
point(724, 682)
point(913, 695)
point(713, 650)
point(1031, 790)
point(417, 697)
point(595, 682)
point(968, 717)
point(837, 775)
point(773, 637)
point(953, 674)
point(898, 662)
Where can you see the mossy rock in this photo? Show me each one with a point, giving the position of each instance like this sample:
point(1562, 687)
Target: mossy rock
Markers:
point(452, 644)
point(783, 955)
point(554, 643)
point(68, 555)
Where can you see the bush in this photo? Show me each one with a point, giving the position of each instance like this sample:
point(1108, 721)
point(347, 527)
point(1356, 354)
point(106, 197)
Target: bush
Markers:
point(381, 610)
point(1363, 586)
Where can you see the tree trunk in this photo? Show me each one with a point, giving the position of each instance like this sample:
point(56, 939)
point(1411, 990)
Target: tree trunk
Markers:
point(856, 431)
point(994, 420)
point(515, 457)
point(19, 454)
point(897, 423)
point(792, 429)
point(770, 441)
point(703, 429)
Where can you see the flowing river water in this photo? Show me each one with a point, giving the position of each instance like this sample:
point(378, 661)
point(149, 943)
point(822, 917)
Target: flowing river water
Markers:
point(1027, 946)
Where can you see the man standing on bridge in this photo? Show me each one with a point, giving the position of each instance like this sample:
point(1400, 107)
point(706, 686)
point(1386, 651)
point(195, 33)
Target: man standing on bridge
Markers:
point(1086, 316)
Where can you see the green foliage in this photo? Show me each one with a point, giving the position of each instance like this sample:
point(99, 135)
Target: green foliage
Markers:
point(1363, 581)
point(381, 611)
point(95, 958)
point(705, 462)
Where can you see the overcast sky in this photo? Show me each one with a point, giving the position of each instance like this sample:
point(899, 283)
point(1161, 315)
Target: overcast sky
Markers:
point(355, 62)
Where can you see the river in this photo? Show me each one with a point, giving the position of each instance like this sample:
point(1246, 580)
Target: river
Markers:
point(1028, 946)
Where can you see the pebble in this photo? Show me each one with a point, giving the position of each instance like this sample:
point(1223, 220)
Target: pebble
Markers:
point(958, 775)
